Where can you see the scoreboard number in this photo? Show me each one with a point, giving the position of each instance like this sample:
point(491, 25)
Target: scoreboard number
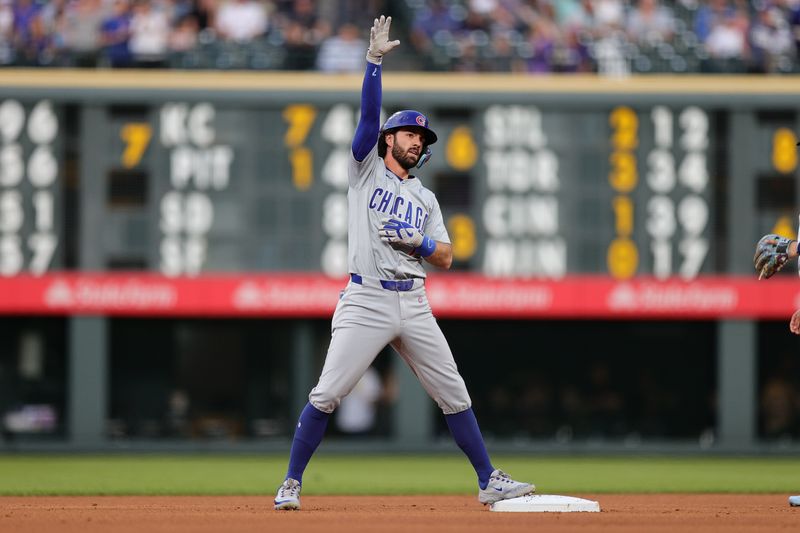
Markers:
point(668, 213)
point(784, 150)
point(27, 207)
point(622, 257)
point(300, 118)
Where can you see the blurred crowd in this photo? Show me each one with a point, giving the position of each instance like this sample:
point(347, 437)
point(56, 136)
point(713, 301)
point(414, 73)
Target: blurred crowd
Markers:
point(608, 36)
point(613, 37)
point(602, 400)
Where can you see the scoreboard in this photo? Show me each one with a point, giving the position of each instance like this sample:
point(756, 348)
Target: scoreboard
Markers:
point(187, 175)
point(30, 197)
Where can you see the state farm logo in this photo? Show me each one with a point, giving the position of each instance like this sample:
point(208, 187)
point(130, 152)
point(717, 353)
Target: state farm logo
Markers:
point(247, 296)
point(110, 294)
point(672, 297)
point(307, 295)
point(623, 297)
point(59, 294)
point(490, 297)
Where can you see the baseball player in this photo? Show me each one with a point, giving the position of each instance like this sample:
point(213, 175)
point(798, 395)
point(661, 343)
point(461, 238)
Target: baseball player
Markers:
point(772, 254)
point(394, 224)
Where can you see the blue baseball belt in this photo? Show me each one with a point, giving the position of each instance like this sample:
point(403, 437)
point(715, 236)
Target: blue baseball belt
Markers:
point(400, 285)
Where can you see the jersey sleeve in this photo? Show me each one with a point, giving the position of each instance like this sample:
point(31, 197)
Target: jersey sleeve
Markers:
point(359, 172)
point(434, 226)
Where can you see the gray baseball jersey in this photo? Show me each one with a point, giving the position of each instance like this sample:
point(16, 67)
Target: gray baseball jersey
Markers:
point(375, 193)
point(369, 315)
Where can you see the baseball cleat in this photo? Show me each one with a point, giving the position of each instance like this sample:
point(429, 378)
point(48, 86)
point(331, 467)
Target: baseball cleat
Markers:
point(794, 501)
point(502, 487)
point(288, 497)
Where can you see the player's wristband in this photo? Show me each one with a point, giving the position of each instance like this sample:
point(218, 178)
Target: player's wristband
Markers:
point(427, 247)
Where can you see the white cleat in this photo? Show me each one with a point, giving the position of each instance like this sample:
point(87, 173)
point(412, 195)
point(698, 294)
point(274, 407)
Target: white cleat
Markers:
point(794, 501)
point(502, 487)
point(288, 497)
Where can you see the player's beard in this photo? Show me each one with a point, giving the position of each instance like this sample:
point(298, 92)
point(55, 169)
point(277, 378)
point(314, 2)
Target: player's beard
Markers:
point(406, 159)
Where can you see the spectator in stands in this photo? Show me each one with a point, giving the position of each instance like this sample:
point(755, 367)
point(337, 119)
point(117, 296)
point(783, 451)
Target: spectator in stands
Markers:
point(650, 23)
point(180, 8)
point(26, 25)
point(574, 16)
point(356, 415)
point(464, 35)
point(436, 20)
point(608, 23)
point(543, 38)
point(114, 35)
point(771, 42)
point(472, 34)
point(304, 32)
point(570, 56)
point(794, 23)
point(509, 16)
point(35, 45)
point(343, 52)
point(51, 13)
point(204, 13)
point(7, 52)
point(709, 14)
point(149, 34)
point(25, 13)
point(241, 20)
point(79, 32)
point(357, 12)
point(474, 21)
point(727, 42)
point(609, 14)
point(469, 59)
point(184, 36)
point(778, 408)
point(503, 57)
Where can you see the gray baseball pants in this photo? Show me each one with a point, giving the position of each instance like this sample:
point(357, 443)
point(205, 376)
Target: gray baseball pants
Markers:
point(367, 318)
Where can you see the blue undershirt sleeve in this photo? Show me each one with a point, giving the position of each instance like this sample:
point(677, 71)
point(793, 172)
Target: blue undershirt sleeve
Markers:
point(369, 124)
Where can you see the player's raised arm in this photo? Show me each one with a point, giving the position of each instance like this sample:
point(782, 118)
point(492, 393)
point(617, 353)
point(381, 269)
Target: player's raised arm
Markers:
point(369, 124)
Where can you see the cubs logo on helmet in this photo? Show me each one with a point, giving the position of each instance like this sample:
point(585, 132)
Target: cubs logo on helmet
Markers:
point(409, 117)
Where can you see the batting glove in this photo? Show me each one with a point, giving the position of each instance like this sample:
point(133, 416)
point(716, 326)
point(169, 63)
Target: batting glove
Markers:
point(396, 231)
point(379, 43)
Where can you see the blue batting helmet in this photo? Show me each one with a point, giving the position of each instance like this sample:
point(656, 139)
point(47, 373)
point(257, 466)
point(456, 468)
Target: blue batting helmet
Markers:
point(408, 118)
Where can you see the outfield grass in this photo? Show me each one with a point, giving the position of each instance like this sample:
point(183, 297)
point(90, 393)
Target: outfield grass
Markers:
point(445, 474)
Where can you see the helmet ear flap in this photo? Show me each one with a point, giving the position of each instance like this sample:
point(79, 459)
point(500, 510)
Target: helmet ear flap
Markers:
point(426, 155)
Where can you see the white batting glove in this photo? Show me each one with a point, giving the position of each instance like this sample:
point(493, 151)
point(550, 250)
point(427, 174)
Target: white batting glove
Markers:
point(396, 231)
point(379, 43)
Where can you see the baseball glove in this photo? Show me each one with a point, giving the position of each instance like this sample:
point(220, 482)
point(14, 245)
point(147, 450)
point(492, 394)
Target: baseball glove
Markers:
point(772, 253)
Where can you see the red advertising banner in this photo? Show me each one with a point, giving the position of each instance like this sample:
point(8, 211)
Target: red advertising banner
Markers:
point(450, 296)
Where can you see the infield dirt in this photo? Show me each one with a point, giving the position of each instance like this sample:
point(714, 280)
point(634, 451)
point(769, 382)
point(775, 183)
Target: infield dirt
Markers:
point(626, 513)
